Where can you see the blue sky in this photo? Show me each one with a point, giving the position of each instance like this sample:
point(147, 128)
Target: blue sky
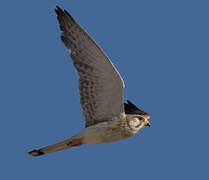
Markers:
point(161, 50)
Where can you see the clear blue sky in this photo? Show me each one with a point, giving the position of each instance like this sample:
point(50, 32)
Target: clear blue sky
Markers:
point(161, 50)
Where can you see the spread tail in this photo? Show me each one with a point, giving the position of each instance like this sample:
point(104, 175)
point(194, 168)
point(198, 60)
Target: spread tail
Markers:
point(69, 143)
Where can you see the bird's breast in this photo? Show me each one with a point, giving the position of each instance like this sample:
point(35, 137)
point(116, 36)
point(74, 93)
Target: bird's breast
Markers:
point(105, 132)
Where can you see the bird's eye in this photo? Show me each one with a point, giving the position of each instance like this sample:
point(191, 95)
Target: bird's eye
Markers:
point(141, 118)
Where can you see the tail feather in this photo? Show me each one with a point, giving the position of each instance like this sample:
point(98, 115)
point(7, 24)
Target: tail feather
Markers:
point(69, 143)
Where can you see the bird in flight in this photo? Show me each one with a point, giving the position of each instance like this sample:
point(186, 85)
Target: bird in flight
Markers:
point(107, 118)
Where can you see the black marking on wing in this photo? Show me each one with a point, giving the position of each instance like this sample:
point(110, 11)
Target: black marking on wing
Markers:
point(130, 108)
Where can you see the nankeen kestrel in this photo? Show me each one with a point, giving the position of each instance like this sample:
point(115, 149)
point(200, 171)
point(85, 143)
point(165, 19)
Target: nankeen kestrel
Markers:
point(107, 118)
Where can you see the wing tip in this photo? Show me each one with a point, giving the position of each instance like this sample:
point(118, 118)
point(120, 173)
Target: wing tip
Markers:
point(63, 12)
point(131, 108)
point(58, 10)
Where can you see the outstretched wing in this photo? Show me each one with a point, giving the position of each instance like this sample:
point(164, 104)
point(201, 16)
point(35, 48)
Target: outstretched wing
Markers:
point(100, 84)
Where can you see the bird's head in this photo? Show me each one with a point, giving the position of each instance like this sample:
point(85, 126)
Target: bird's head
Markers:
point(137, 119)
point(137, 122)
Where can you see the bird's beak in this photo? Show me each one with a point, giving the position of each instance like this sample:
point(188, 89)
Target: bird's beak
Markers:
point(148, 124)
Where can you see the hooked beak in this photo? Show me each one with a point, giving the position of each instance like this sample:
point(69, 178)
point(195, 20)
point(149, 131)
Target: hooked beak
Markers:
point(148, 124)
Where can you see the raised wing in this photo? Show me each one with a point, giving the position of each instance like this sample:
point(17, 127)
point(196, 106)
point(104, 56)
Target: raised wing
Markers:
point(100, 85)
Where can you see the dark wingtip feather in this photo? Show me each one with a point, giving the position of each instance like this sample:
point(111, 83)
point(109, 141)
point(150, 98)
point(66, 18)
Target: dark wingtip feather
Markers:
point(130, 108)
point(132, 105)
point(58, 8)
